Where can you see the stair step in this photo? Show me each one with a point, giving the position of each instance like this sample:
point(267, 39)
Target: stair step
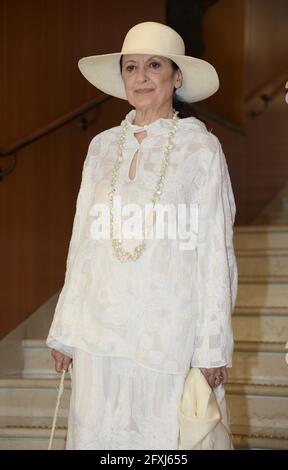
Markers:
point(37, 359)
point(261, 311)
point(257, 326)
point(38, 439)
point(18, 438)
point(29, 404)
point(254, 405)
point(258, 414)
point(262, 279)
point(262, 295)
point(261, 237)
point(261, 252)
point(266, 266)
point(32, 422)
point(259, 437)
point(260, 346)
point(260, 362)
point(33, 397)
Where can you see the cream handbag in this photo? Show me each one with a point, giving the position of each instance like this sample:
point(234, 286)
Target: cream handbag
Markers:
point(203, 416)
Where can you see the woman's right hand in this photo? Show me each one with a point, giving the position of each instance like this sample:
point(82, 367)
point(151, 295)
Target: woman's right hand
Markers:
point(215, 376)
point(61, 361)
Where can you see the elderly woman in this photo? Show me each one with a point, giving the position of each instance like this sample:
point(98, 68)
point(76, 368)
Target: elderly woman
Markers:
point(137, 311)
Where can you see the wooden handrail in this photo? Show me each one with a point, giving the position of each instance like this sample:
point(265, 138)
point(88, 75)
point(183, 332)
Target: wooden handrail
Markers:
point(56, 124)
point(205, 112)
point(258, 100)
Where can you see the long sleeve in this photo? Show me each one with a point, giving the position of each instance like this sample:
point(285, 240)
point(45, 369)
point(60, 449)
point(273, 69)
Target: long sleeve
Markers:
point(63, 308)
point(83, 202)
point(217, 275)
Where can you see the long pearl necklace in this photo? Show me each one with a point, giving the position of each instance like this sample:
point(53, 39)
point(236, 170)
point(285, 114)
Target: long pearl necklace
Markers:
point(119, 251)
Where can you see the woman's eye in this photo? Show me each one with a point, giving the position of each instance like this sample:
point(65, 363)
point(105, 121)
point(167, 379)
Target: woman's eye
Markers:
point(129, 67)
point(155, 65)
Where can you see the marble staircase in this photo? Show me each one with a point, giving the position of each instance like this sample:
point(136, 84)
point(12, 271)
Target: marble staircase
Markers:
point(257, 392)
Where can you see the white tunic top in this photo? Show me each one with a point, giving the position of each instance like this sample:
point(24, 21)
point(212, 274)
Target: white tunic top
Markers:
point(172, 307)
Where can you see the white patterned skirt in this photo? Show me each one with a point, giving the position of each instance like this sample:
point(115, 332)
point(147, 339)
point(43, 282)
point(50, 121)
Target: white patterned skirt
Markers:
point(119, 404)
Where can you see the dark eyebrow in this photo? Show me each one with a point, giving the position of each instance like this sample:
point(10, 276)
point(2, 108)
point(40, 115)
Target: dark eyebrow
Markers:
point(150, 58)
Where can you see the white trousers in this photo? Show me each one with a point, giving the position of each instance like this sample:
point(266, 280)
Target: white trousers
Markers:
point(119, 404)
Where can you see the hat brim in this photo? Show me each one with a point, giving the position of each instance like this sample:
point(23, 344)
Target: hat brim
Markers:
point(200, 79)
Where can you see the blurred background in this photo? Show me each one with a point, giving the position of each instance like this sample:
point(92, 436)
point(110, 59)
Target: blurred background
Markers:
point(48, 115)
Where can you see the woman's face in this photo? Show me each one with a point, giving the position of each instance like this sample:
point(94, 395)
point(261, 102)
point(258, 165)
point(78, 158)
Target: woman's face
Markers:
point(149, 80)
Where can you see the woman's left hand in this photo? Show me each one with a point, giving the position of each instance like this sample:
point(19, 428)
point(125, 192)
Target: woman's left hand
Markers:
point(215, 376)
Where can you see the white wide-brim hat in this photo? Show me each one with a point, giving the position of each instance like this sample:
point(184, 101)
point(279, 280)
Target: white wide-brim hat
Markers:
point(199, 78)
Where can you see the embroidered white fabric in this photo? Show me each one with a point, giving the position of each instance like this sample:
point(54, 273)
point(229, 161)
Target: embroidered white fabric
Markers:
point(115, 404)
point(171, 308)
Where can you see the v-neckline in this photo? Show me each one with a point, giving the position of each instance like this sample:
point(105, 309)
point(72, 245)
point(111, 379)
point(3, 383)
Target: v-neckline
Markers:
point(142, 132)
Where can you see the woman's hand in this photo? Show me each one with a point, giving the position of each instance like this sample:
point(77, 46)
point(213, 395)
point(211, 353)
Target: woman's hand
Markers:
point(61, 361)
point(215, 376)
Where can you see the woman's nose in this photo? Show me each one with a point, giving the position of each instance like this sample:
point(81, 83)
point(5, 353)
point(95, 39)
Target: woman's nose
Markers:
point(141, 75)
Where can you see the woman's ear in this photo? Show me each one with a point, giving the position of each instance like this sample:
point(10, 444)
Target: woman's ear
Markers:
point(179, 79)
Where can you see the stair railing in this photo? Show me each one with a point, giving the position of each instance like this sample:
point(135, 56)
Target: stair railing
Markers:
point(78, 113)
